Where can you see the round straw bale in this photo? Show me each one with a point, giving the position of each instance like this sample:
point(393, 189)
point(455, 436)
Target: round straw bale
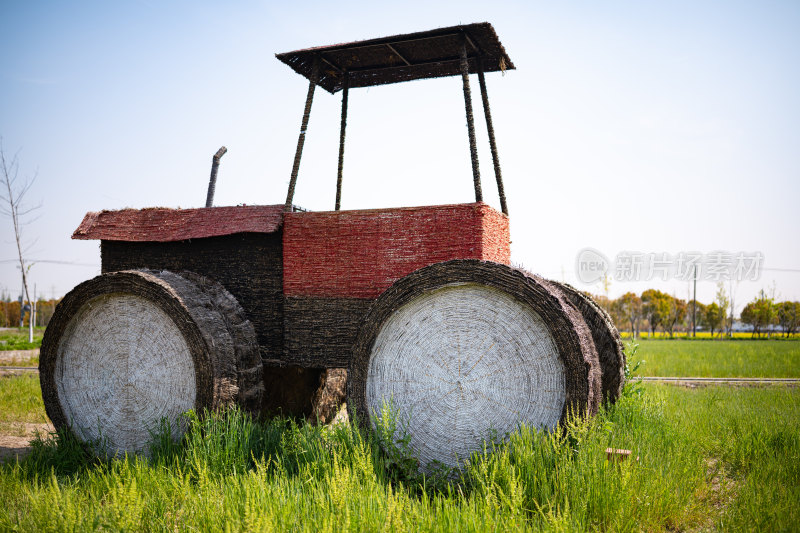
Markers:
point(606, 338)
point(330, 395)
point(127, 350)
point(466, 350)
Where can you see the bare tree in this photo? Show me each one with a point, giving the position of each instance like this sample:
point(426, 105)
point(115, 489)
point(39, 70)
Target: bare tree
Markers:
point(12, 205)
point(723, 302)
point(733, 285)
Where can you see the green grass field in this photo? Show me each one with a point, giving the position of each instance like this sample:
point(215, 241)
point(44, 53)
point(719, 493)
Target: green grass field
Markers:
point(17, 339)
point(711, 457)
point(707, 358)
point(20, 401)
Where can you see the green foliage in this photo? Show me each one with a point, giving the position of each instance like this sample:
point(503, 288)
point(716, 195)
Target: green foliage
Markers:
point(699, 314)
point(661, 309)
point(627, 310)
point(676, 314)
point(395, 442)
point(655, 306)
point(760, 313)
point(789, 316)
point(656, 309)
point(713, 317)
point(58, 454)
point(633, 385)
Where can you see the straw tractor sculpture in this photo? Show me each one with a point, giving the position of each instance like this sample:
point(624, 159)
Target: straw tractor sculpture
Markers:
point(250, 305)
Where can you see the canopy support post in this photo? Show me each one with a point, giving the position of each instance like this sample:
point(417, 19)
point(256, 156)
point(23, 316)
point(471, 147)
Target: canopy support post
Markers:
point(302, 138)
point(345, 90)
point(476, 173)
point(492, 143)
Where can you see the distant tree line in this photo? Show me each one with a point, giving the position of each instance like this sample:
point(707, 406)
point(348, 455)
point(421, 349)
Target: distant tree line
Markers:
point(764, 312)
point(10, 312)
point(654, 311)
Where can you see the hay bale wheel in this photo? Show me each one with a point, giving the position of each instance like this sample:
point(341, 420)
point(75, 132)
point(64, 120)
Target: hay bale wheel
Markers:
point(467, 350)
point(126, 350)
point(606, 338)
point(330, 395)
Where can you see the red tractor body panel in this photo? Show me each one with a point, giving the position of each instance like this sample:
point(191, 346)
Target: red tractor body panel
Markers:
point(359, 254)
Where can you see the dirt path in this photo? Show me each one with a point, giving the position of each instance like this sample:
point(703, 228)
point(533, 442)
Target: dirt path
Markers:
point(15, 437)
point(17, 357)
point(15, 362)
point(15, 443)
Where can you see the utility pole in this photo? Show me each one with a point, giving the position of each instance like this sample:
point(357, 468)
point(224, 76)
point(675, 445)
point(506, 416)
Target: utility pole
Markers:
point(32, 321)
point(21, 302)
point(694, 304)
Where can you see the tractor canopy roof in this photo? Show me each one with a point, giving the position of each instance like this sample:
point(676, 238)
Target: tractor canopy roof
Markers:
point(411, 56)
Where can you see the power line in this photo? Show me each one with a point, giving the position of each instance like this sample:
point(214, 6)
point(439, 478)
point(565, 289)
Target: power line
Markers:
point(52, 261)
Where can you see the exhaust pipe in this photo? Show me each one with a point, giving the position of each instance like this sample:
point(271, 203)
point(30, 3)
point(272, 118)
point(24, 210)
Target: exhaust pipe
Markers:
point(213, 182)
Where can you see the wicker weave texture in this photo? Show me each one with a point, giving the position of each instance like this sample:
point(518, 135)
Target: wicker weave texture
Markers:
point(127, 348)
point(421, 333)
point(123, 363)
point(465, 362)
point(606, 339)
point(248, 265)
point(398, 58)
point(359, 254)
point(161, 224)
point(320, 332)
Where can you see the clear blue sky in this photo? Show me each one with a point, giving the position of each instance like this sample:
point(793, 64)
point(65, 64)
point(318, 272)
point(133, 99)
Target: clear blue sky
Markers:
point(644, 126)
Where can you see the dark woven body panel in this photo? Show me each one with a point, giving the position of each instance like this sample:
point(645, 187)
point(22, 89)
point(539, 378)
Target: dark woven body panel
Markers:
point(320, 332)
point(248, 265)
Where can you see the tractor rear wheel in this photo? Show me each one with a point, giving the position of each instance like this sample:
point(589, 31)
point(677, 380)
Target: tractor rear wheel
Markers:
point(126, 351)
point(464, 351)
point(606, 338)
